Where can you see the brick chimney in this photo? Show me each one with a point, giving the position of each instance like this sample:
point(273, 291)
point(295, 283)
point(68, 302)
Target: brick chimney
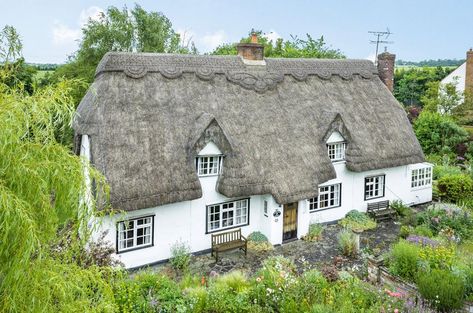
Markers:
point(469, 72)
point(251, 51)
point(386, 69)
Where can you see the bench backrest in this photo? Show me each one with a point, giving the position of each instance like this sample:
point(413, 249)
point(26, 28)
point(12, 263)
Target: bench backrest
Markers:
point(380, 205)
point(234, 235)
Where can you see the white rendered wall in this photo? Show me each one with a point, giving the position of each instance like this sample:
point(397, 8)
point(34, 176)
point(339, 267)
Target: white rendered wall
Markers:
point(186, 221)
point(457, 76)
point(397, 187)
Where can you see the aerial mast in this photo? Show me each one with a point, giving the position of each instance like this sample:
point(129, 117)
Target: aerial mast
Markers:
point(381, 37)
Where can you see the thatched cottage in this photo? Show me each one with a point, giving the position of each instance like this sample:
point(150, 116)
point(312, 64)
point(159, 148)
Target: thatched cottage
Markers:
point(193, 145)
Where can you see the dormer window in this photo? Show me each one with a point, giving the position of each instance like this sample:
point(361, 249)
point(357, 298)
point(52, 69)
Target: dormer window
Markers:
point(209, 165)
point(336, 151)
point(209, 160)
point(336, 146)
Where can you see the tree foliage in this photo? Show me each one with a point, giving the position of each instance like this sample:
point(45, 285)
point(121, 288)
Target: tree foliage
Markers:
point(410, 84)
point(41, 184)
point(438, 134)
point(11, 59)
point(431, 63)
point(293, 48)
point(134, 30)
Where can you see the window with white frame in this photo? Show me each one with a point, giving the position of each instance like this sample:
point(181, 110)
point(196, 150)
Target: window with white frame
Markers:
point(227, 215)
point(374, 187)
point(135, 233)
point(265, 207)
point(421, 177)
point(336, 151)
point(209, 165)
point(329, 197)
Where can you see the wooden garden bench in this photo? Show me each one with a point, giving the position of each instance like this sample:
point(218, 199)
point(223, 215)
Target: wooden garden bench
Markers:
point(229, 240)
point(380, 210)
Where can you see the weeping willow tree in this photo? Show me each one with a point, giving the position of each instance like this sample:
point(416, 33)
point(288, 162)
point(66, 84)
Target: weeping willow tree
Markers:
point(41, 185)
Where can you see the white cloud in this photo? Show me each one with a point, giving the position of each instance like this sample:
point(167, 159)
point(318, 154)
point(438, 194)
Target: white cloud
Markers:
point(213, 40)
point(94, 13)
point(272, 36)
point(64, 35)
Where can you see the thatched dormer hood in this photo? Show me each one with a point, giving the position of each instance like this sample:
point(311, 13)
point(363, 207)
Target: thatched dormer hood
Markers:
point(148, 115)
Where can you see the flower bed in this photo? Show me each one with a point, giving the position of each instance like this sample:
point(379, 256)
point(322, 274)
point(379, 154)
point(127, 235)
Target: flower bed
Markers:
point(437, 262)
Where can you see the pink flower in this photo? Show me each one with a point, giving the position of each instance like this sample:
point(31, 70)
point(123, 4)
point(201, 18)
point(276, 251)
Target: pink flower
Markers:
point(396, 311)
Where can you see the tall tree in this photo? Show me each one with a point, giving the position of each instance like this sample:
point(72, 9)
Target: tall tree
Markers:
point(12, 60)
point(292, 48)
point(134, 30)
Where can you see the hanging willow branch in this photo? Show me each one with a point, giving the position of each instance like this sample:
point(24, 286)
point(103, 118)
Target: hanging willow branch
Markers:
point(41, 185)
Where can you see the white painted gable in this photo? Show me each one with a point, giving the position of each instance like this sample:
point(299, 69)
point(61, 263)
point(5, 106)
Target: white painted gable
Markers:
point(457, 76)
point(335, 137)
point(210, 149)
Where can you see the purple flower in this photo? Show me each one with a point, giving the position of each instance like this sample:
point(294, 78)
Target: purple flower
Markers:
point(423, 241)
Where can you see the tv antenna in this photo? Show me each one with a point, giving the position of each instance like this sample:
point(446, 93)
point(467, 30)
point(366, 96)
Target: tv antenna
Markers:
point(381, 37)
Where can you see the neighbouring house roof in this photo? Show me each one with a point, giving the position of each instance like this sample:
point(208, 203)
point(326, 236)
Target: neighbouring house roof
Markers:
point(148, 115)
point(456, 77)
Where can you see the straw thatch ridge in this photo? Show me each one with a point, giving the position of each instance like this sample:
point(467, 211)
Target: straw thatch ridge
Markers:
point(148, 116)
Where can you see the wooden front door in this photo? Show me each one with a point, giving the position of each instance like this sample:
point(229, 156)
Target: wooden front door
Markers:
point(289, 230)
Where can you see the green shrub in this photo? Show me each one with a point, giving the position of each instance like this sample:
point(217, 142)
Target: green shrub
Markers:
point(405, 231)
point(442, 289)
point(401, 209)
point(235, 281)
point(357, 221)
point(455, 187)
point(258, 242)
point(437, 257)
point(148, 292)
point(315, 232)
point(403, 260)
point(448, 220)
point(438, 133)
point(423, 230)
point(180, 256)
point(273, 281)
point(348, 242)
point(444, 170)
point(257, 236)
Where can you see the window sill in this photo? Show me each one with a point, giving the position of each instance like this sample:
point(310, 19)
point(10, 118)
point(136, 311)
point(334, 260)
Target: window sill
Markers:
point(134, 249)
point(421, 187)
point(226, 228)
point(374, 198)
point(211, 175)
point(324, 209)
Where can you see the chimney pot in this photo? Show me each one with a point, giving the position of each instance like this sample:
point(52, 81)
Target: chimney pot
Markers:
point(386, 69)
point(469, 73)
point(251, 51)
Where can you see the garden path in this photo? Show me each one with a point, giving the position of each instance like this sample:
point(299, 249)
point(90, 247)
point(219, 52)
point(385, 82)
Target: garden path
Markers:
point(304, 254)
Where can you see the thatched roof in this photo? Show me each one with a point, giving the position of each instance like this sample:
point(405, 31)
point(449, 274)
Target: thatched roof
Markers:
point(148, 115)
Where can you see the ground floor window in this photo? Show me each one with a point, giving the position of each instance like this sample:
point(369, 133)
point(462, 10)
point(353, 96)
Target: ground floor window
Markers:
point(228, 215)
point(374, 187)
point(329, 197)
point(135, 233)
point(421, 177)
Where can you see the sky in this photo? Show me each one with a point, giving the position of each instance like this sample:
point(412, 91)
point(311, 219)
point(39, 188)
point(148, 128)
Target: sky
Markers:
point(422, 29)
